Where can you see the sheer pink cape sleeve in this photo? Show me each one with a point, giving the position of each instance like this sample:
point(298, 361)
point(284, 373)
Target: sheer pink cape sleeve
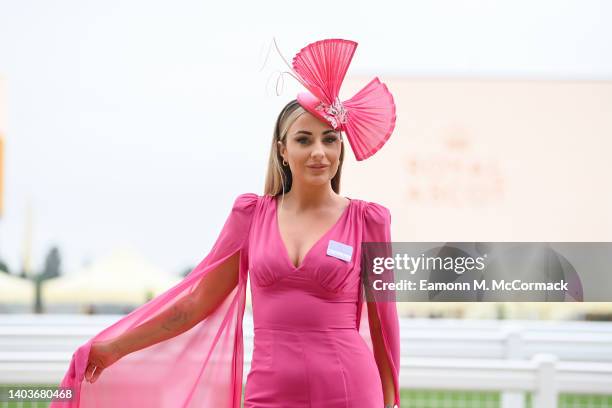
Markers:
point(377, 228)
point(201, 367)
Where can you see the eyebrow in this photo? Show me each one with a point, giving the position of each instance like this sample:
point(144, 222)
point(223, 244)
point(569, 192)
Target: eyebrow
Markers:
point(306, 132)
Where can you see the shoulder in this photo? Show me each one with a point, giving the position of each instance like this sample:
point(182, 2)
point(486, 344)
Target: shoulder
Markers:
point(375, 213)
point(243, 211)
point(245, 205)
point(246, 201)
point(240, 219)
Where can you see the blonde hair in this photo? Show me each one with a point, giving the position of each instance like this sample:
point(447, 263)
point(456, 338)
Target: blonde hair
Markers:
point(278, 177)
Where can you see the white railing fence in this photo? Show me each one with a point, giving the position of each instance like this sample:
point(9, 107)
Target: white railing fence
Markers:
point(513, 358)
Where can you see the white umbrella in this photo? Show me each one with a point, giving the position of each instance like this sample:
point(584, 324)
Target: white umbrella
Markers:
point(15, 290)
point(122, 277)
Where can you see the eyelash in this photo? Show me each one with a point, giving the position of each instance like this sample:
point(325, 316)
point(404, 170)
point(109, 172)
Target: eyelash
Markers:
point(330, 139)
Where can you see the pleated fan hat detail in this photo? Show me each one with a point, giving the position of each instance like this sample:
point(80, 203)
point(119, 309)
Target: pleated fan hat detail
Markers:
point(367, 119)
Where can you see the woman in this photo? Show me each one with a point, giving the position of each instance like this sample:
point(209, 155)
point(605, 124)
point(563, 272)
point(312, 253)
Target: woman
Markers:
point(301, 243)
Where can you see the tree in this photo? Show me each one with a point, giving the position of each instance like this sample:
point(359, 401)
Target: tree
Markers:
point(187, 271)
point(4, 267)
point(52, 270)
point(52, 265)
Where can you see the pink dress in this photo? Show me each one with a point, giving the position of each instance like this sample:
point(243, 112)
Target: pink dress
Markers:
point(312, 341)
point(307, 349)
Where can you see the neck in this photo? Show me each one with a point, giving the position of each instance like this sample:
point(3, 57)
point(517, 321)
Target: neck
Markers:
point(304, 197)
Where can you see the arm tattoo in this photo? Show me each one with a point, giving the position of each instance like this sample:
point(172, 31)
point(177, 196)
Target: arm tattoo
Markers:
point(177, 318)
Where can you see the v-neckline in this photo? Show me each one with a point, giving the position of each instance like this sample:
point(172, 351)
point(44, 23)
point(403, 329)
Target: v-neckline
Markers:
point(325, 234)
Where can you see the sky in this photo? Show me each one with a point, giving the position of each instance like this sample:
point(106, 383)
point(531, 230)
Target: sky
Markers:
point(137, 123)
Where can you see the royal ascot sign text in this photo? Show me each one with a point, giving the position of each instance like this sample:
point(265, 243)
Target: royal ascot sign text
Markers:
point(487, 272)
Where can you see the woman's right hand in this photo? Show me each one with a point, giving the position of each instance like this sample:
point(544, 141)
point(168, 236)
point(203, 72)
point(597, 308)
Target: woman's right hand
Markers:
point(101, 355)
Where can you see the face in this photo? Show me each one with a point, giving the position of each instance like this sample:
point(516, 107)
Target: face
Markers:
point(312, 149)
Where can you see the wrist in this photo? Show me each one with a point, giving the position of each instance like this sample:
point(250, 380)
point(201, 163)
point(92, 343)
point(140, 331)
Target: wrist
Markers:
point(117, 349)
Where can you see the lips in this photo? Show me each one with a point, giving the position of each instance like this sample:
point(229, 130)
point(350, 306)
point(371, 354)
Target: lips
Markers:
point(318, 166)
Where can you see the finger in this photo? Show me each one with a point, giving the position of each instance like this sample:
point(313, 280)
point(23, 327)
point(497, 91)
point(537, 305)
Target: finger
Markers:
point(93, 373)
point(88, 371)
point(91, 369)
point(96, 374)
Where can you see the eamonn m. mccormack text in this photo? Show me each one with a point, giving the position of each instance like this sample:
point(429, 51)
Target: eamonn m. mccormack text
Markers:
point(514, 285)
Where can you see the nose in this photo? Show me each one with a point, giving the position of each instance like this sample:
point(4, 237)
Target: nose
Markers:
point(317, 150)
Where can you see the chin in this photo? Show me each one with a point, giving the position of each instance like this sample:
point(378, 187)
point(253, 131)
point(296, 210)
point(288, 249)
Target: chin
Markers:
point(317, 181)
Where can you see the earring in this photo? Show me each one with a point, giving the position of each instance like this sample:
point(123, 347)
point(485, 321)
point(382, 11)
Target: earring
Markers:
point(285, 163)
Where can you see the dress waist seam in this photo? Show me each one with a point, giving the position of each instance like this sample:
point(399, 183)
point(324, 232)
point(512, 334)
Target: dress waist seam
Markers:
point(293, 329)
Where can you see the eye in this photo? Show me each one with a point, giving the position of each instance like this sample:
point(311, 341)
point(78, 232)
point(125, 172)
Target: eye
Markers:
point(331, 139)
point(302, 140)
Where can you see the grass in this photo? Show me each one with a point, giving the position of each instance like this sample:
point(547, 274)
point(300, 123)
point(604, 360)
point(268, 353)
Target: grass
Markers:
point(419, 399)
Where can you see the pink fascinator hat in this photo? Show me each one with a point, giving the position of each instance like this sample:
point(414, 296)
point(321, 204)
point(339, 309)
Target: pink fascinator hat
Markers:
point(367, 119)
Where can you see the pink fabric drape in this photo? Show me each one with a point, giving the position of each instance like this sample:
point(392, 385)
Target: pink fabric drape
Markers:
point(203, 366)
point(377, 228)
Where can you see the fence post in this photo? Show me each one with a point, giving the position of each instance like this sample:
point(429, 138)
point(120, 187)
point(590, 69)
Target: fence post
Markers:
point(513, 342)
point(546, 392)
point(513, 349)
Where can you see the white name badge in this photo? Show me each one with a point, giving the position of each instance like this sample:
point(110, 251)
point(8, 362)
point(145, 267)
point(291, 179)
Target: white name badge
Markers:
point(339, 250)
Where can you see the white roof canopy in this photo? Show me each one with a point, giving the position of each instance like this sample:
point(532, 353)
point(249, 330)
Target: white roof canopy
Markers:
point(15, 290)
point(122, 277)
